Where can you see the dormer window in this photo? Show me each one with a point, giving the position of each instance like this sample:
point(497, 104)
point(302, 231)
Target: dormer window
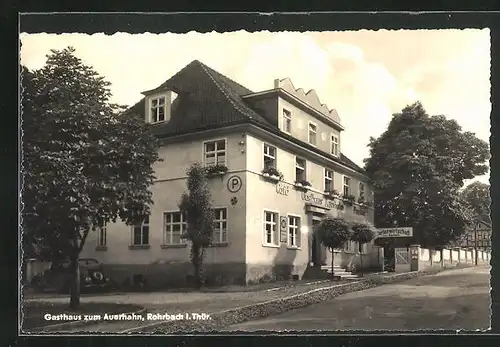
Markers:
point(157, 109)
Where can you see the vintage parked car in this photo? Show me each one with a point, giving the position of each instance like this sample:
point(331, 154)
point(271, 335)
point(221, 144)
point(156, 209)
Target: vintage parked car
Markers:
point(58, 277)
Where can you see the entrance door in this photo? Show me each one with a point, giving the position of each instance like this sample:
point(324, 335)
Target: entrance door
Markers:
point(315, 244)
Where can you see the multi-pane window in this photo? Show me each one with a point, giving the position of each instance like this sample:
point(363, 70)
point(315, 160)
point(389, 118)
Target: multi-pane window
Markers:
point(140, 233)
point(220, 225)
point(271, 236)
point(269, 156)
point(157, 109)
point(328, 180)
point(287, 121)
point(215, 152)
point(293, 231)
point(175, 227)
point(312, 134)
point(334, 145)
point(347, 186)
point(361, 191)
point(300, 169)
point(101, 236)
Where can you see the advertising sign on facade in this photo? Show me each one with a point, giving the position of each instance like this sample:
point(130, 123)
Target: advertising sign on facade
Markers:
point(395, 232)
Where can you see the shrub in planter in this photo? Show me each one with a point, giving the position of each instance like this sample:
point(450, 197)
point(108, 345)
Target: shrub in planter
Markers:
point(272, 172)
point(332, 193)
point(362, 233)
point(349, 199)
point(216, 170)
point(333, 233)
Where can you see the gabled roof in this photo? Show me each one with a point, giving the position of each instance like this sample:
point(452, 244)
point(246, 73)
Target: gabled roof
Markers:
point(207, 99)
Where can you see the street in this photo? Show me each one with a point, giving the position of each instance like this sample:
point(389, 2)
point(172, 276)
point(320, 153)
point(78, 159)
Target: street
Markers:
point(455, 299)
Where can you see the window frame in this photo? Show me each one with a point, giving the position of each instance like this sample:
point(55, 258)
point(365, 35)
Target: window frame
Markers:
point(220, 222)
point(296, 230)
point(154, 110)
point(336, 143)
point(361, 192)
point(286, 117)
point(326, 178)
point(303, 168)
point(217, 152)
point(142, 226)
point(315, 131)
point(275, 234)
point(102, 231)
point(344, 185)
point(267, 155)
point(169, 234)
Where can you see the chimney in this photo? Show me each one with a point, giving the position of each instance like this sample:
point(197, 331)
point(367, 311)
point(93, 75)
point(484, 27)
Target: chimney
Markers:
point(276, 83)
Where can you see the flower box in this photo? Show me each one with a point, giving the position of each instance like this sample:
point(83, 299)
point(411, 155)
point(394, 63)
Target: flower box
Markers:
point(348, 199)
point(272, 174)
point(216, 170)
point(333, 194)
point(303, 185)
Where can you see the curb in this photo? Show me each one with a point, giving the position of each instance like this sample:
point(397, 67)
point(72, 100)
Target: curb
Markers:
point(276, 306)
point(60, 326)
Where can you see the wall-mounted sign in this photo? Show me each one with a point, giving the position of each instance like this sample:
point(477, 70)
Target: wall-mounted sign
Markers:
point(234, 184)
point(310, 198)
point(395, 232)
point(283, 229)
point(282, 189)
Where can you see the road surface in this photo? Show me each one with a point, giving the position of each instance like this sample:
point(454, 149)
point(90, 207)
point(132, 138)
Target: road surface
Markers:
point(455, 299)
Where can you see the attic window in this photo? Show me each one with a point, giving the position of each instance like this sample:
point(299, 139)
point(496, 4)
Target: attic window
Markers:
point(157, 109)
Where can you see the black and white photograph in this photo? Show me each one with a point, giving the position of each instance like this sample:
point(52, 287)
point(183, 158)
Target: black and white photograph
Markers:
point(255, 182)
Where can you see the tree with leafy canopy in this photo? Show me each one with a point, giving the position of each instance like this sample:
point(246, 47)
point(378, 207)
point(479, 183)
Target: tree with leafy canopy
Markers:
point(476, 197)
point(84, 162)
point(196, 204)
point(417, 167)
point(333, 233)
point(362, 233)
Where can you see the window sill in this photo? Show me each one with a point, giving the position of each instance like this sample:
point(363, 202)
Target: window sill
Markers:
point(218, 244)
point(139, 247)
point(294, 248)
point(101, 248)
point(269, 245)
point(179, 245)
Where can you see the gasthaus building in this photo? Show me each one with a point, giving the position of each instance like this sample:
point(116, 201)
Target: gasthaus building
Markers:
point(264, 224)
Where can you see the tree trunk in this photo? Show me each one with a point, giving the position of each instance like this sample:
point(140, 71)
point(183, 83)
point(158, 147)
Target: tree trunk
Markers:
point(74, 301)
point(198, 267)
point(333, 273)
point(360, 248)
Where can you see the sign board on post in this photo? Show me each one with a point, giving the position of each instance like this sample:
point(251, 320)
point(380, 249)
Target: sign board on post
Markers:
point(395, 232)
point(283, 227)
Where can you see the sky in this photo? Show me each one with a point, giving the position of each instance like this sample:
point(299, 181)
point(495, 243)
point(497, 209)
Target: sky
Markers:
point(365, 75)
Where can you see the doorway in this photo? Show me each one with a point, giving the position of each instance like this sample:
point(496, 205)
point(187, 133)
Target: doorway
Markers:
point(315, 244)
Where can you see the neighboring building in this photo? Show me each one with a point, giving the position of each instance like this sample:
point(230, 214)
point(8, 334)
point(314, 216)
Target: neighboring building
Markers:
point(263, 225)
point(479, 235)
